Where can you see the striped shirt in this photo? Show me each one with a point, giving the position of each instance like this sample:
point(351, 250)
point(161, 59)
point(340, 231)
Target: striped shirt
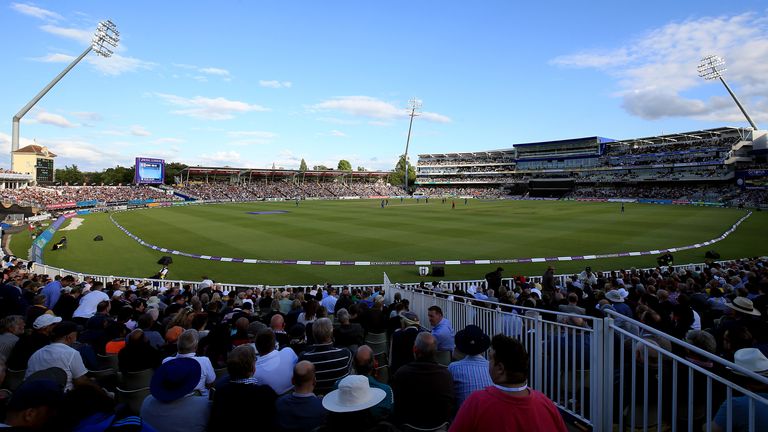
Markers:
point(331, 365)
point(469, 374)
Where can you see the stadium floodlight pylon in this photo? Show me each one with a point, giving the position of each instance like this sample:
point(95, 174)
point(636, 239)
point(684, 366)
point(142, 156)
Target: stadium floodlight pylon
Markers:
point(105, 40)
point(414, 105)
point(713, 66)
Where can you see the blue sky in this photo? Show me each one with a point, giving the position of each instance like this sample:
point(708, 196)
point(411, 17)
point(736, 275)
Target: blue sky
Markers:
point(252, 84)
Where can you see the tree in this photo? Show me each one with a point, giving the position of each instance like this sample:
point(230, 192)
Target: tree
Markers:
point(118, 175)
point(344, 165)
point(303, 165)
point(396, 177)
point(321, 168)
point(70, 174)
point(361, 168)
point(172, 170)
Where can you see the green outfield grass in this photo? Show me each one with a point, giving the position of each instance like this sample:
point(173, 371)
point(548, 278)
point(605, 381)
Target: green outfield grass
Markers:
point(361, 230)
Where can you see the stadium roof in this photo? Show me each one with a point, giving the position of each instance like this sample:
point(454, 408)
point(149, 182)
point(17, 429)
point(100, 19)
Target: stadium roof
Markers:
point(468, 154)
point(244, 172)
point(36, 149)
point(682, 137)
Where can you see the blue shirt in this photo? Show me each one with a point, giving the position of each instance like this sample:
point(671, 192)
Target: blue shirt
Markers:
point(740, 414)
point(329, 303)
point(299, 412)
point(52, 292)
point(443, 332)
point(469, 374)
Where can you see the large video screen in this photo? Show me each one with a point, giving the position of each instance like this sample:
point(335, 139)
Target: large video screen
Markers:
point(149, 171)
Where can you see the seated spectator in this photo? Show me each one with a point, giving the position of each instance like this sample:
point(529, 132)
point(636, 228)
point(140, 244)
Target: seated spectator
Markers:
point(33, 406)
point(403, 339)
point(298, 341)
point(347, 334)
point(277, 324)
point(331, 363)
point(88, 408)
point(187, 348)
point(365, 365)
point(173, 404)
point(301, 410)
point(138, 354)
point(11, 327)
point(423, 388)
point(755, 361)
point(349, 406)
point(509, 404)
point(441, 329)
point(68, 302)
point(470, 373)
point(147, 323)
point(29, 344)
point(274, 368)
point(38, 308)
point(60, 354)
point(89, 303)
point(241, 394)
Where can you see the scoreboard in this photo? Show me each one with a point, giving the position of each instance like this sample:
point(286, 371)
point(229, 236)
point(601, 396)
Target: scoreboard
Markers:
point(149, 171)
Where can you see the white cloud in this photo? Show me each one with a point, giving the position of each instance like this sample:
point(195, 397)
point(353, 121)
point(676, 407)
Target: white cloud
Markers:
point(88, 116)
point(367, 106)
point(84, 154)
point(338, 133)
point(252, 134)
point(118, 64)
point(137, 130)
point(55, 58)
point(5, 143)
point(169, 140)
point(202, 72)
point(44, 117)
point(209, 108)
point(656, 72)
point(338, 121)
point(275, 84)
point(228, 158)
point(79, 35)
point(34, 11)
point(215, 71)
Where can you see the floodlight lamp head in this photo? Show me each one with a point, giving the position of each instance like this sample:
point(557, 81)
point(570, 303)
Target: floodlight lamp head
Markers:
point(414, 104)
point(106, 36)
point(711, 67)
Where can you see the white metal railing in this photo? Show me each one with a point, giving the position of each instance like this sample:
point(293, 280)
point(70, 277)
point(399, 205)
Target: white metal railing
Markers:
point(561, 346)
point(604, 375)
point(648, 385)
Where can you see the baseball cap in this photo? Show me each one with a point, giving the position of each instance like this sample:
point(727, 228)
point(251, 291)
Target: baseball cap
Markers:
point(45, 320)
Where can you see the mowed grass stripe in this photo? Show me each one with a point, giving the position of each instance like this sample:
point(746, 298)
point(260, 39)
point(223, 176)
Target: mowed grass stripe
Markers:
point(366, 232)
point(360, 230)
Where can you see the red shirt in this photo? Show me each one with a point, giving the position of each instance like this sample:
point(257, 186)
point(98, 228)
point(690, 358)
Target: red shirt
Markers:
point(491, 409)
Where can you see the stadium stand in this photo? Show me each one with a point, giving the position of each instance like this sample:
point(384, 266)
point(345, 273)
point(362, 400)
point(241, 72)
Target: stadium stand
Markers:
point(694, 335)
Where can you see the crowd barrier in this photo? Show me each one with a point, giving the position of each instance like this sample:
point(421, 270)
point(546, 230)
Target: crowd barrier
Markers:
point(609, 373)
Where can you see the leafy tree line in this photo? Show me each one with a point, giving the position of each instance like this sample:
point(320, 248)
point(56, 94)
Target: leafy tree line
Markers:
point(72, 175)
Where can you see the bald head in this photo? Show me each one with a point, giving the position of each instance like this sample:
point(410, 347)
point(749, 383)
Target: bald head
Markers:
point(277, 322)
point(303, 377)
point(364, 360)
point(242, 324)
point(136, 337)
point(425, 347)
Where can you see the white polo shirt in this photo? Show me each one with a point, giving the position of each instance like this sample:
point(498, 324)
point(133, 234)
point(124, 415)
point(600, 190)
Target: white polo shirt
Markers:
point(207, 374)
point(89, 303)
point(57, 355)
point(276, 369)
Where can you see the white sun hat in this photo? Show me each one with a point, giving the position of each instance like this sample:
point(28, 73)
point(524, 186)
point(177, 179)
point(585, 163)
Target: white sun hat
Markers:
point(354, 394)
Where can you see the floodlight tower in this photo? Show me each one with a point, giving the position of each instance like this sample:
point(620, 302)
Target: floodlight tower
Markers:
point(713, 66)
point(414, 105)
point(104, 41)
